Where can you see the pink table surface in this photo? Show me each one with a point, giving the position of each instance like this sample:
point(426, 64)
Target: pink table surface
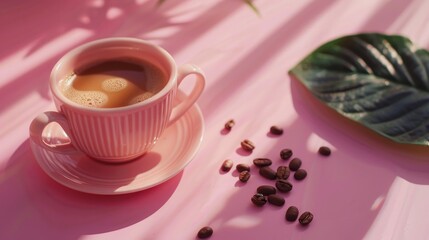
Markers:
point(369, 188)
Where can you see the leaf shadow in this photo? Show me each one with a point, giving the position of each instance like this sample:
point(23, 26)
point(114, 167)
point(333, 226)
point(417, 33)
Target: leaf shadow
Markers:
point(237, 75)
point(33, 51)
point(382, 19)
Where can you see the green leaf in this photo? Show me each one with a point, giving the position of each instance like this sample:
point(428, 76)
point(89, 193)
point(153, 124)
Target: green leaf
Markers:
point(379, 81)
point(252, 6)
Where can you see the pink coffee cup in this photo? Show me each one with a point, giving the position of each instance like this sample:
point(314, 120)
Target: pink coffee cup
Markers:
point(123, 133)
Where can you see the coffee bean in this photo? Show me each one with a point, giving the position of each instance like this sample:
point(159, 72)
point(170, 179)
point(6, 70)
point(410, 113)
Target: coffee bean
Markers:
point(295, 164)
point(276, 130)
point(229, 124)
point(244, 176)
point(205, 232)
point(283, 185)
point(276, 200)
point(242, 167)
point(306, 218)
point(292, 214)
point(300, 174)
point(283, 172)
point(259, 199)
point(268, 173)
point(247, 145)
point(262, 162)
point(285, 154)
point(324, 151)
point(266, 190)
point(227, 165)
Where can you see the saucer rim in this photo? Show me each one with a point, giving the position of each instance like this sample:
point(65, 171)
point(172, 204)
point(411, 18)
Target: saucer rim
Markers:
point(127, 189)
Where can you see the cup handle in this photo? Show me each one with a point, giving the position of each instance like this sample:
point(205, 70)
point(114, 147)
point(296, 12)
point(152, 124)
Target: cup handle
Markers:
point(39, 124)
point(184, 105)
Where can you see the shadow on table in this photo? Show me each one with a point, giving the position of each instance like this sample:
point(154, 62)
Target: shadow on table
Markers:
point(44, 209)
point(365, 172)
point(40, 34)
point(45, 30)
point(386, 15)
point(346, 191)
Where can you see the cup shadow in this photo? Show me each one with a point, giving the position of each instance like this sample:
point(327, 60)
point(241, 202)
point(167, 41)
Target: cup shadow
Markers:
point(43, 208)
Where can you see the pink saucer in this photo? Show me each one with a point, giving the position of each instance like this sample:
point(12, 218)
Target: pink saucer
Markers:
point(174, 150)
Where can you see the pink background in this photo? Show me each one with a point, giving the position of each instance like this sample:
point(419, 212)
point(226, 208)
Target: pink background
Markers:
point(369, 188)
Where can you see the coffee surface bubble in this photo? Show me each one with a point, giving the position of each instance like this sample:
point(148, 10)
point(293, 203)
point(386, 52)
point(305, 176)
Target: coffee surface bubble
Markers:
point(87, 98)
point(141, 97)
point(114, 84)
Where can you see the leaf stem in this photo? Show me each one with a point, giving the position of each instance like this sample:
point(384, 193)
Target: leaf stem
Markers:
point(252, 6)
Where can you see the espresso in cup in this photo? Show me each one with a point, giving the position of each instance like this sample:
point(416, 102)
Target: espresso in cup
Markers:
point(114, 83)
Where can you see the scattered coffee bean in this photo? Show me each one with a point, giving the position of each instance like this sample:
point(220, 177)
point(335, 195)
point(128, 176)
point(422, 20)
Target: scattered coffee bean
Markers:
point(285, 154)
point(292, 214)
point(268, 173)
point(306, 218)
point(247, 145)
point(283, 172)
point(266, 190)
point(300, 174)
point(262, 162)
point(295, 164)
point(325, 151)
point(227, 165)
point(276, 130)
point(283, 185)
point(259, 199)
point(242, 167)
point(229, 124)
point(205, 232)
point(244, 176)
point(276, 200)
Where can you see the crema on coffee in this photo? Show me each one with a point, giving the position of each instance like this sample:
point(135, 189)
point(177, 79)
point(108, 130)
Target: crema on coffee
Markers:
point(114, 83)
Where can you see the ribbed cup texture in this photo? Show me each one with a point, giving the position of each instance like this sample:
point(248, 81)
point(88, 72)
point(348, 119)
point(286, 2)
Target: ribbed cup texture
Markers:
point(119, 135)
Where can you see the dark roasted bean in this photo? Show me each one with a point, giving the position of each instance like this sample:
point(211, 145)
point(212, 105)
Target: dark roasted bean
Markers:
point(262, 162)
point(285, 154)
point(242, 167)
point(276, 130)
point(244, 176)
point(229, 124)
point(283, 172)
point(276, 200)
point(247, 145)
point(268, 173)
point(227, 165)
point(259, 199)
point(325, 151)
point(266, 190)
point(205, 232)
point(295, 164)
point(300, 174)
point(283, 185)
point(292, 214)
point(306, 218)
